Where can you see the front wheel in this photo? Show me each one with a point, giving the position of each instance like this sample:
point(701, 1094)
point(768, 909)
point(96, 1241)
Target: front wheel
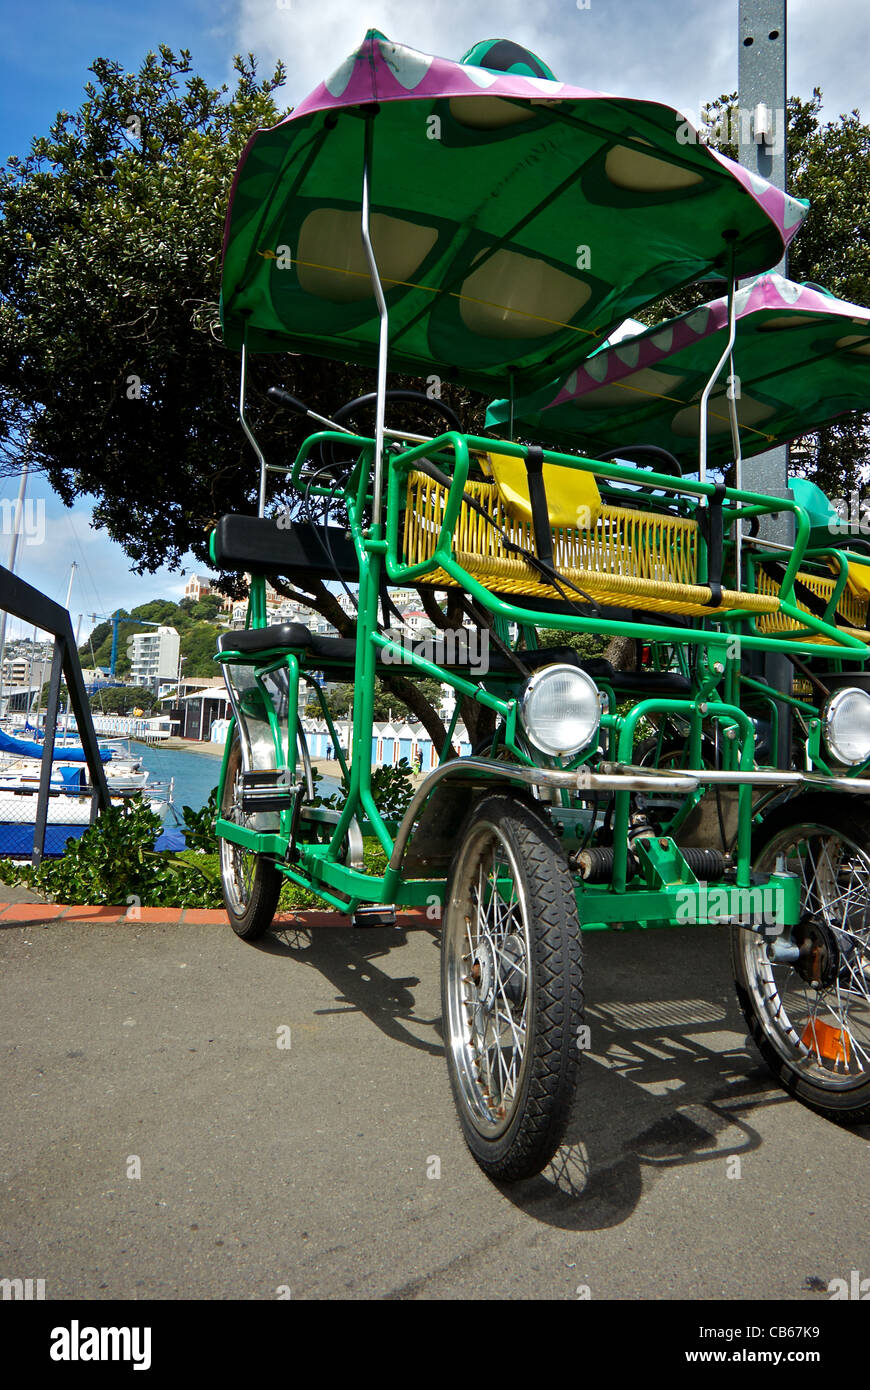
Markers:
point(511, 988)
point(811, 1020)
point(251, 883)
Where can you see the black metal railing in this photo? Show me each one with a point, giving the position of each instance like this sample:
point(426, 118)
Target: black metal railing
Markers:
point(22, 601)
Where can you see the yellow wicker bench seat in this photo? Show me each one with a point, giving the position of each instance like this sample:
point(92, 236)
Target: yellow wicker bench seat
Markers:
point(851, 608)
point(626, 558)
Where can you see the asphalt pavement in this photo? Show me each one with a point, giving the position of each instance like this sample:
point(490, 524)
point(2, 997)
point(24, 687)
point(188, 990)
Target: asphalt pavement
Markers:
point(186, 1116)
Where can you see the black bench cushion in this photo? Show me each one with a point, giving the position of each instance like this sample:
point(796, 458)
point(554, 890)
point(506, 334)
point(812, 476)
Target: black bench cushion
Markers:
point(288, 635)
point(259, 545)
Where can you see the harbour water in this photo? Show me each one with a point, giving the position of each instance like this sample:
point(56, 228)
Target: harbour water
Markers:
point(194, 773)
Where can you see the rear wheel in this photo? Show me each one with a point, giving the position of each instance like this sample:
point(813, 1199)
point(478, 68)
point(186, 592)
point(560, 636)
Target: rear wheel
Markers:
point(251, 883)
point(811, 1020)
point(511, 988)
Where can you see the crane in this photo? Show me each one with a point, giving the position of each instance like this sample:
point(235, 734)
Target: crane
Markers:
point(115, 619)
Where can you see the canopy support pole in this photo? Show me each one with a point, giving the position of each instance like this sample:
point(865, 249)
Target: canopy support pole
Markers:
point(383, 337)
point(243, 384)
point(714, 375)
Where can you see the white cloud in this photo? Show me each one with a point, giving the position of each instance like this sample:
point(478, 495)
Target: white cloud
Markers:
point(103, 580)
point(628, 47)
point(829, 47)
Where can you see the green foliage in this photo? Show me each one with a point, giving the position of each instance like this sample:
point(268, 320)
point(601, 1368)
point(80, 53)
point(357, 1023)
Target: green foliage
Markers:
point(117, 699)
point(114, 862)
point(208, 608)
point(392, 789)
point(829, 164)
point(586, 644)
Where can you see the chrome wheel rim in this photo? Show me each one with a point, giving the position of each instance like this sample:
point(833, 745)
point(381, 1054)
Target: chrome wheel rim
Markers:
point(487, 978)
point(238, 865)
point(822, 1031)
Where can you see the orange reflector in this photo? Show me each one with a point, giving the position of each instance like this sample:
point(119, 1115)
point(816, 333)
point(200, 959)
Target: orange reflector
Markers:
point(826, 1041)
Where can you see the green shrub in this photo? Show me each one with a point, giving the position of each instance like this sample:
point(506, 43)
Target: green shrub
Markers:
point(115, 861)
point(199, 825)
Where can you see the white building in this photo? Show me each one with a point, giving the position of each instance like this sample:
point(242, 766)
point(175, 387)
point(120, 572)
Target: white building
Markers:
point(154, 656)
point(16, 670)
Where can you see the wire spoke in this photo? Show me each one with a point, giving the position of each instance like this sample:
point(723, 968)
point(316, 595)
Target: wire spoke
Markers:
point(825, 1026)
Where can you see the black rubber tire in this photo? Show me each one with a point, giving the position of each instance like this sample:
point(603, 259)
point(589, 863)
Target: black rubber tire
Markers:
point(843, 816)
point(252, 918)
point(547, 1075)
point(643, 755)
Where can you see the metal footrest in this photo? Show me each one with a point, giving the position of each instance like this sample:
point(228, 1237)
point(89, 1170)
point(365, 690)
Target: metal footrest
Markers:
point(268, 791)
point(375, 915)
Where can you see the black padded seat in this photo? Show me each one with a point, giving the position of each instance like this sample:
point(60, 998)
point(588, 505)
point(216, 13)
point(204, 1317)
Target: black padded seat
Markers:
point(258, 639)
point(259, 545)
point(289, 635)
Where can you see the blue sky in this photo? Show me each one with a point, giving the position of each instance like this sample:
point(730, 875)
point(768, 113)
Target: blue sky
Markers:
point(680, 51)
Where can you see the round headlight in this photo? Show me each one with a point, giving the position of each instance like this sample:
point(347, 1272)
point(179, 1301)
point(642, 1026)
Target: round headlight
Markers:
point(847, 726)
point(561, 710)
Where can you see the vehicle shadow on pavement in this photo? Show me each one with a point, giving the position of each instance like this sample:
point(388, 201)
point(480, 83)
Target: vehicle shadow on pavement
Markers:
point(346, 958)
point(665, 1084)
point(667, 1081)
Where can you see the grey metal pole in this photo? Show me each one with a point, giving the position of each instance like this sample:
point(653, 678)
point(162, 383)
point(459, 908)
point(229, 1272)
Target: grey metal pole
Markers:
point(762, 111)
point(47, 752)
point(13, 552)
point(762, 107)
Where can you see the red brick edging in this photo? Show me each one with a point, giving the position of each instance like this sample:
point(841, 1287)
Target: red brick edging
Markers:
point(53, 912)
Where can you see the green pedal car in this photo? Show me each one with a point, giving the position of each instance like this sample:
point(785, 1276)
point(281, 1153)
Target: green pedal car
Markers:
point(480, 223)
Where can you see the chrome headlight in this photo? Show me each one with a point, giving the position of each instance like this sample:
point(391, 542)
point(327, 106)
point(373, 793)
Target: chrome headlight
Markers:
point(561, 710)
point(847, 726)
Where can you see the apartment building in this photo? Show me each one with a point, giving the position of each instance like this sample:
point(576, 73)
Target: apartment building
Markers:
point(154, 657)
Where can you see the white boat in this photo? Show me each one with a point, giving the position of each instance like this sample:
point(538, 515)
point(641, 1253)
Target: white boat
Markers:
point(70, 797)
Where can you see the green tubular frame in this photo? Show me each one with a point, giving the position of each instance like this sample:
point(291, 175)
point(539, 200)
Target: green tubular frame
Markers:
point(751, 504)
point(649, 899)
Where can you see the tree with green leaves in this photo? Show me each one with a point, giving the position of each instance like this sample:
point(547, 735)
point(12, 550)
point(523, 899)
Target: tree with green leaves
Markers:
point(828, 164)
point(123, 699)
point(109, 265)
point(111, 359)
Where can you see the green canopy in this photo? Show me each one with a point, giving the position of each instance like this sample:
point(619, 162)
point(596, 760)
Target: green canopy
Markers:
point(515, 219)
point(801, 359)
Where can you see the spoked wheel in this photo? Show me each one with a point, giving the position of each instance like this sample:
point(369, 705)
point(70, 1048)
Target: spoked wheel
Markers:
point(511, 988)
point(251, 883)
point(811, 1020)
